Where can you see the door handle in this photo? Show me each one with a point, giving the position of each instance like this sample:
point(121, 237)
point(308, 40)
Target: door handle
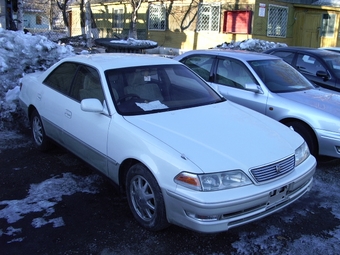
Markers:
point(68, 114)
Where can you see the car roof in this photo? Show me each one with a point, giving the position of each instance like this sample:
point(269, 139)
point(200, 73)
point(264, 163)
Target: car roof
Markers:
point(120, 60)
point(315, 51)
point(335, 49)
point(238, 54)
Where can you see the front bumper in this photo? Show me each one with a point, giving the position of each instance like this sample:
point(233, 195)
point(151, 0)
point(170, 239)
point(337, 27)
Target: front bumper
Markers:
point(212, 217)
point(329, 143)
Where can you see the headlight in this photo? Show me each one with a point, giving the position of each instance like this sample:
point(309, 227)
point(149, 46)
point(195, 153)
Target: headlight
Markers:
point(212, 182)
point(301, 154)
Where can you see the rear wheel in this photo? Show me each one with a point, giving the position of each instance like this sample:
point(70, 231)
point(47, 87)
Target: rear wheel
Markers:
point(145, 198)
point(307, 134)
point(40, 139)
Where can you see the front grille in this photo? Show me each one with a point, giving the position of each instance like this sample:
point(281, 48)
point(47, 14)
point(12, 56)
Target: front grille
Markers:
point(272, 171)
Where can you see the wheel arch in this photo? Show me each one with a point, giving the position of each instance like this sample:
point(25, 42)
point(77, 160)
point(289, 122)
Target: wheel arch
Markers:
point(30, 110)
point(123, 169)
point(288, 121)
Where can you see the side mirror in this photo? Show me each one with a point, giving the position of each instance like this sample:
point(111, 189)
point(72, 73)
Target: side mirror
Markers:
point(322, 74)
point(91, 105)
point(253, 87)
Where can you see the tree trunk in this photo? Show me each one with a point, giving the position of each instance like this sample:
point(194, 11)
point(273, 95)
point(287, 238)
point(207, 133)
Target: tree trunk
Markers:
point(82, 17)
point(62, 6)
point(135, 4)
point(88, 24)
point(20, 16)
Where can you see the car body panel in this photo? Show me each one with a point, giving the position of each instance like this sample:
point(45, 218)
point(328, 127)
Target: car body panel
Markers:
point(180, 130)
point(316, 107)
point(214, 137)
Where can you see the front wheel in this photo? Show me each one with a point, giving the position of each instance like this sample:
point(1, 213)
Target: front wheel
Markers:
point(145, 198)
point(40, 139)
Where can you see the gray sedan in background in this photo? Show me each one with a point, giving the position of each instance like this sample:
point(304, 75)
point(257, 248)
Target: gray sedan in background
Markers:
point(270, 86)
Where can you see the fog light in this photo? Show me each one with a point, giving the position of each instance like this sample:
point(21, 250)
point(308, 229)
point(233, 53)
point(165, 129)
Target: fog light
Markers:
point(203, 217)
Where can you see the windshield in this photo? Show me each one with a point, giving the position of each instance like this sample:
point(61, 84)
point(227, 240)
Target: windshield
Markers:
point(279, 76)
point(148, 89)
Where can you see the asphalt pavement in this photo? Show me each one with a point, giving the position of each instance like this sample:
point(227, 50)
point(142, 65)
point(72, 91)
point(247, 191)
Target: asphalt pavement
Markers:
point(53, 203)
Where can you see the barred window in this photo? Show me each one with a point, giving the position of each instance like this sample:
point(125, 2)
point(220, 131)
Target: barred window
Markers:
point(209, 17)
point(117, 18)
point(157, 17)
point(277, 21)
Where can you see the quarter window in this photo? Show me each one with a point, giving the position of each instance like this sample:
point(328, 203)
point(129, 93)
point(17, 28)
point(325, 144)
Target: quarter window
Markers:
point(209, 17)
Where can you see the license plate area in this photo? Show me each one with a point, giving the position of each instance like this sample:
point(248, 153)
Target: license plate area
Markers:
point(277, 196)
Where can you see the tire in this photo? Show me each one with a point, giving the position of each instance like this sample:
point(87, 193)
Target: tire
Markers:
point(307, 134)
point(145, 198)
point(41, 141)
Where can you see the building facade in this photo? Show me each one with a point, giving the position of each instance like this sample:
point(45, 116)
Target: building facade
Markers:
point(198, 25)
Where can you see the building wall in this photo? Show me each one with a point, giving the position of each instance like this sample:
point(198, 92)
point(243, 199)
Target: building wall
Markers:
point(182, 20)
point(190, 39)
point(308, 27)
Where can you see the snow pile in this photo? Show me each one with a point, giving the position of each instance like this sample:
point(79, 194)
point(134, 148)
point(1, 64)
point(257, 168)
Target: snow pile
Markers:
point(22, 53)
point(251, 45)
point(134, 42)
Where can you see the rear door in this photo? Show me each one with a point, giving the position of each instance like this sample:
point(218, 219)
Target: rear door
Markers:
point(53, 97)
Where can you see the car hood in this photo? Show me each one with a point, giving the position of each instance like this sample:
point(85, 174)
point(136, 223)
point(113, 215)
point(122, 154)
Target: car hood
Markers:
point(317, 99)
point(222, 136)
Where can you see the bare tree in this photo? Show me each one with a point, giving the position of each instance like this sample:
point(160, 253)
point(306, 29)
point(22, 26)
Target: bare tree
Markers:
point(82, 16)
point(135, 4)
point(62, 4)
point(20, 15)
point(189, 15)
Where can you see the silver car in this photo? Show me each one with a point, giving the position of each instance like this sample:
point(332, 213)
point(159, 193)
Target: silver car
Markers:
point(270, 86)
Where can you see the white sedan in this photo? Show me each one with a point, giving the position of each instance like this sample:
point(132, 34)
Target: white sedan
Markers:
point(181, 152)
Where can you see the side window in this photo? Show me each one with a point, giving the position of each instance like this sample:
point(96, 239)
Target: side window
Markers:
point(89, 84)
point(61, 78)
point(223, 73)
point(286, 56)
point(233, 73)
point(201, 64)
point(308, 64)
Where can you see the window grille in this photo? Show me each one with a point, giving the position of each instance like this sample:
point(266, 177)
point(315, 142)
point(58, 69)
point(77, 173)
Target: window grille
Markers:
point(117, 18)
point(157, 17)
point(209, 17)
point(277, 21)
